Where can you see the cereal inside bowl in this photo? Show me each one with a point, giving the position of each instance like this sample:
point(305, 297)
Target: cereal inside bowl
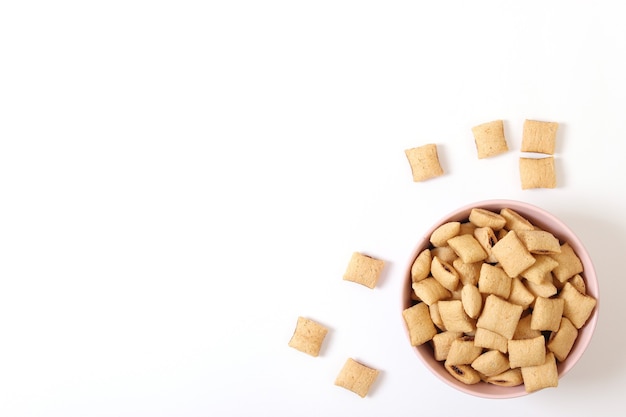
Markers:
point(500, 299)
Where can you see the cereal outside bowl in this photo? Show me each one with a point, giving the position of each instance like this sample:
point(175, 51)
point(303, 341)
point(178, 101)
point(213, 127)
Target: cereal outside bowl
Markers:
point(543, 220)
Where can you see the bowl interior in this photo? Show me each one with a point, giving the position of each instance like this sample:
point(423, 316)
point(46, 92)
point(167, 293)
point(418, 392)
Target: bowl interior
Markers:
point(546, 221)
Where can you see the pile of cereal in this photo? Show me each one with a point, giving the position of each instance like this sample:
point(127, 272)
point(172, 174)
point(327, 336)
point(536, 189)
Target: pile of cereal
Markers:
point(499, 300)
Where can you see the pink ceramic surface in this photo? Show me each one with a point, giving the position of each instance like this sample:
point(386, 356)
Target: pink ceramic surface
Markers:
point(546, 221)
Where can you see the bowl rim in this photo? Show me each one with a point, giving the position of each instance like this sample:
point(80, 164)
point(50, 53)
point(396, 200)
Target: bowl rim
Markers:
point(541, 218)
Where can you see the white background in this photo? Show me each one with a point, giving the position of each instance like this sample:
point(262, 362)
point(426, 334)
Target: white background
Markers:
point(180, 180)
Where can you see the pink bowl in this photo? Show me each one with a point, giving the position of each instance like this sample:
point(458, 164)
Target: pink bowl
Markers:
point(546, 221)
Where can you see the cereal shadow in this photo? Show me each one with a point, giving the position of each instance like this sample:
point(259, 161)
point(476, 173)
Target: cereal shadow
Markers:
point(605, 243)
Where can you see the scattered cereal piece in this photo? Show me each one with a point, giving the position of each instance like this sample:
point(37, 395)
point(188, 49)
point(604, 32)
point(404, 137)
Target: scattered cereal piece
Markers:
point(424, 162)
point(308, 336)
point(364, 270)
point(539, 136)
point(537, 172)
point(356, 377)
point(489, 139)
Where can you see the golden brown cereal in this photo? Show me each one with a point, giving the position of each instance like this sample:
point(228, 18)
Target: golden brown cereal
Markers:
point(579, 283)
point(577, 307)
point(499, 316)
point(520, 294)
point(436, 317)
point(539, 136)
point(541, 376)
point(539, 272)
point(467, 228)
point(562, 341)
point(546, 289)
point(464, 373)
point(493, 280)
point(489, 139)
point(515, 221)
point(490, 363)
point(467, 248)
point(454, 317)
point(547, 314)
point(468, 273)
point(364, 270)
point(512, 254)
point(472, 300)
point(491, 340)
point(463, 351)
point(445, 253)
point(308, 336)
point(508, 378)
point(442, 342)
point(430, 291)
point(495, 317)
point(356, 377)
point(524, 331)
point(527, 352)
point(486, 218)
point(420, 325)
point(487, 238)
point(537, 172)
point(539, 241)
point(424, 162)
point(443, 233)
point(569, 263)
point(421, 266)
point(445, 274)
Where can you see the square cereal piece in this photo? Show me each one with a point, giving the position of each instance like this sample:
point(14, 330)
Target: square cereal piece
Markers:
point(430, 291)
point(520, 294)
point(515, 221)
point(419, 324)
point(512, 254)
point(491, 363)
point(539, 272)
point(493, 280)
point(308, 336)
point(364, 270)
point(424, 162)
point(356, 377)
point(537, 172)
point(500, 316)
point(547, 314)
point(569, 264)
point(577, 307)
point(562, 341)
point(541, 376)
point(524, 331)
point(454, 317)
point(468, 248)
point(491, 340)
point(489, 139)
point(527, 352)
point(463, 351)
point(539, 136)
point(442, 342)
point(539, 242)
